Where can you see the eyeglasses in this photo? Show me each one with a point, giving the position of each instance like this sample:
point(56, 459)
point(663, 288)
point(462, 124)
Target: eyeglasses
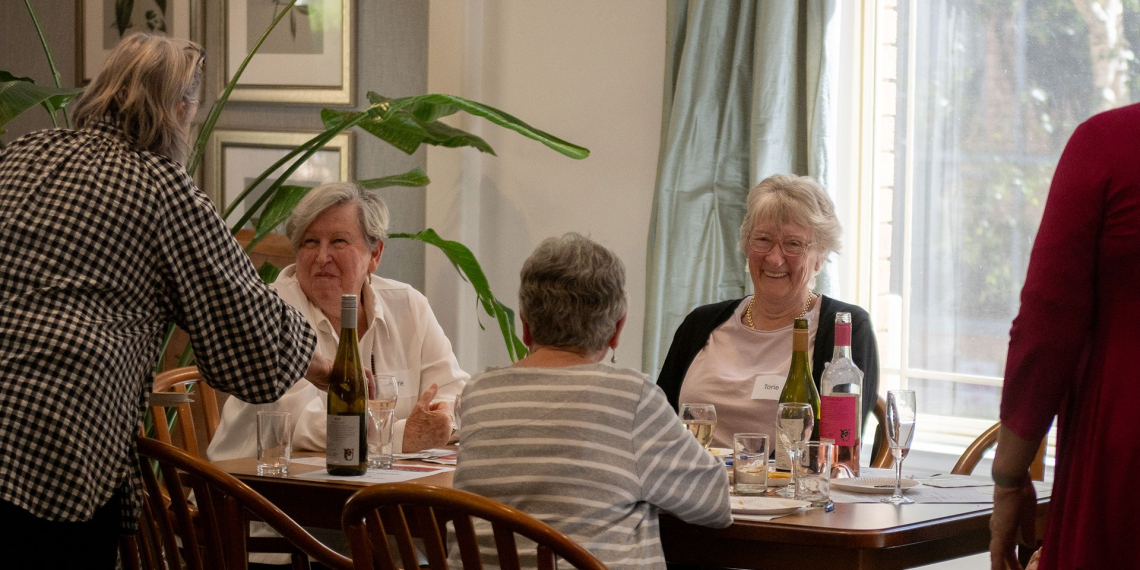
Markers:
point(790, 247)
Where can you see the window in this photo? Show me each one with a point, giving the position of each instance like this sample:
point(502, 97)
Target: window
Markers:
point(967, 107)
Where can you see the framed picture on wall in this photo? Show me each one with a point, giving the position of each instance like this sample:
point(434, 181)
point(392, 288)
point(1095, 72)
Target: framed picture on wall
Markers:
point(101, 24)
point(237, 158)
point(306, 59)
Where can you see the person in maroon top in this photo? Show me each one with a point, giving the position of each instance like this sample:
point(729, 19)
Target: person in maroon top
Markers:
point(1072, 353)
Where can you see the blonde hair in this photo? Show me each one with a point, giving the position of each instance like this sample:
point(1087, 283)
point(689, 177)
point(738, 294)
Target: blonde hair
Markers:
point(790, 199)
point(145, 79)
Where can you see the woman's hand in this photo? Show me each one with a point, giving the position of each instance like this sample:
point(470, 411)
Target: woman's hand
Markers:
point(1015, 512)
point(318, 373)
point(429, 425)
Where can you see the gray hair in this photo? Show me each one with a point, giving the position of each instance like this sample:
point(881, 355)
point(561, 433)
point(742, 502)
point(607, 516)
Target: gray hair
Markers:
point(572, 293)
point(372, 213)
point(145, 78)
point(789, 199)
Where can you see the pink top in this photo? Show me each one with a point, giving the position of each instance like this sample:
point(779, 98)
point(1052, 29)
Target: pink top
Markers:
point(741, 371)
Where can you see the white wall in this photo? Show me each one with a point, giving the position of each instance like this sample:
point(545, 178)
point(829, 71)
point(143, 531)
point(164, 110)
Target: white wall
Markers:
point(590, 72)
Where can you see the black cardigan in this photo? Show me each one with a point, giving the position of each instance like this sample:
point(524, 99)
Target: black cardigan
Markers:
point(694, 332)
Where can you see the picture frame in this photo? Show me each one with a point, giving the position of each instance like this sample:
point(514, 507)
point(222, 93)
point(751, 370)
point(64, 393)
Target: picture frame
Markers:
point(101, 24)
point(313, 43)
point(236, 157)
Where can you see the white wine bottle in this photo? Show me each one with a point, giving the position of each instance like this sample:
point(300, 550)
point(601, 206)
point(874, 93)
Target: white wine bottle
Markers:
point(346, 442)
point(842, 402)
point(799, 388)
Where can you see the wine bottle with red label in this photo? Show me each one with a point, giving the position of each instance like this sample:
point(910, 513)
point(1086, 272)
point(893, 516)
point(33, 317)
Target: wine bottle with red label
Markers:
point(842, 402)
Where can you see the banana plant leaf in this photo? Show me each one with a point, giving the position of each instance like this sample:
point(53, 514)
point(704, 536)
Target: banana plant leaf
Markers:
point(467, 266)
point(279, 208)
point(18, 94)
point(415, 177)
point(268, 272)
point(409, 122)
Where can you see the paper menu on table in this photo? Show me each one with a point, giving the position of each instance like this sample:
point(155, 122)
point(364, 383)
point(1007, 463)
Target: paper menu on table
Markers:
point(397, 474)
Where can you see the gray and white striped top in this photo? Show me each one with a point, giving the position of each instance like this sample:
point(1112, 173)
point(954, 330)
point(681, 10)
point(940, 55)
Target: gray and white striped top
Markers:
point(593, 451)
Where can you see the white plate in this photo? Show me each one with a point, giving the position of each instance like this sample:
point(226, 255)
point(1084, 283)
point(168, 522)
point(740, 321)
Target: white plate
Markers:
point(876, 485)
point(765, 505)
point(721, 452)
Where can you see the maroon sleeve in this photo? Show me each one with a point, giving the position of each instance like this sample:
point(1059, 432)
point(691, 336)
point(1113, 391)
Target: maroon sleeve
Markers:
point(1058, 300)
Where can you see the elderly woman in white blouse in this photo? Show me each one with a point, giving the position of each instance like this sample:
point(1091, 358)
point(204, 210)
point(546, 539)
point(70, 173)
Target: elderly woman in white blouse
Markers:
point(338, 233)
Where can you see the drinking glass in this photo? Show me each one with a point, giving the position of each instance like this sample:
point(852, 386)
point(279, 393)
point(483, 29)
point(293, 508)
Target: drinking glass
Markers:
point(900, 432)
point(700, 420)
point(455, 409)
point(795, 422)
point(381, 417)
point(274, 443)
point(813, 472)
point(750, 463)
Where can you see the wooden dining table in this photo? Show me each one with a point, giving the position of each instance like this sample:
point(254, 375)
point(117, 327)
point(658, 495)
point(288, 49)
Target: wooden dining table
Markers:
point(853, 536)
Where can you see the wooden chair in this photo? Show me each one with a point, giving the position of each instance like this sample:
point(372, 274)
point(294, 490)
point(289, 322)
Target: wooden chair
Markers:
point(214, 537)
point(201, 407)
point(881, 448)
point(974, 453)
point(402, 510)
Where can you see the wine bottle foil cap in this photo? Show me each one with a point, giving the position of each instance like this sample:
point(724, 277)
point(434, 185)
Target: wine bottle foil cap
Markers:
point(348, 301)
point(348, 311)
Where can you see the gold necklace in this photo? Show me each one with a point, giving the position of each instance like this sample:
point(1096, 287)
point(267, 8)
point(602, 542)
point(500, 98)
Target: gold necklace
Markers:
point(752, 301)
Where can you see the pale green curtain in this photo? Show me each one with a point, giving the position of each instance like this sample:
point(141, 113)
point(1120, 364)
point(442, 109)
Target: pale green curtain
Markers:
point(747, 95)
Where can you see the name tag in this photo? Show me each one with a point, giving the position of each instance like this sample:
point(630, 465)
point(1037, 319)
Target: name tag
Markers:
point(768, 387)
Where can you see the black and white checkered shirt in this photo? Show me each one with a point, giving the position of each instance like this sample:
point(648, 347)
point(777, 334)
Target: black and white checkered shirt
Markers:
point(100, 245)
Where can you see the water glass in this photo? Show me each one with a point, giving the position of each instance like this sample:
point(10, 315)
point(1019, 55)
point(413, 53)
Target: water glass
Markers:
point(813, 472)
point(700, 420)
point(274, 443)
point(381, 420)
point(750, 463)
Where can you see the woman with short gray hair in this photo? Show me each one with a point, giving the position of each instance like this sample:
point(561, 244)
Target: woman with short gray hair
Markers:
point(338, 231)
point(591, 449)
point(735, 354)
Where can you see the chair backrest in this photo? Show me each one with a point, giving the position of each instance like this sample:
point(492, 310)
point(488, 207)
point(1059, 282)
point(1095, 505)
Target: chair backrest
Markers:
point(395, 509)
point(974, 453)
point(881, 449)
point(214, 537)
point(200, 407)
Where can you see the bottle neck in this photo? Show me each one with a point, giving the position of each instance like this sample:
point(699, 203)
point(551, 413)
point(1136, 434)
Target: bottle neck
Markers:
point(842, 342)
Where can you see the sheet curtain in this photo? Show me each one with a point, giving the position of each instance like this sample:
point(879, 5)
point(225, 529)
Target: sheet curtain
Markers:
point(747, 95)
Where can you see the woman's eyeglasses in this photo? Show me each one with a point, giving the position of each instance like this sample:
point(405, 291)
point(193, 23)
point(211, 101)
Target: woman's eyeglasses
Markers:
point(790, 247)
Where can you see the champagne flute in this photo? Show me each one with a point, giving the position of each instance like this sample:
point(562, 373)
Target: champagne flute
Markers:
point(700, 420)
point(795, 421)
point(900, 432)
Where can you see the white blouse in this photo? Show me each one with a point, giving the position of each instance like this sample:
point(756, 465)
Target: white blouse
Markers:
point(403, 339)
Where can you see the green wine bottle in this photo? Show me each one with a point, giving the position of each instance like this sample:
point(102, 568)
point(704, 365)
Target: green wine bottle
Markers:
point(799, 388)
point(346, 442)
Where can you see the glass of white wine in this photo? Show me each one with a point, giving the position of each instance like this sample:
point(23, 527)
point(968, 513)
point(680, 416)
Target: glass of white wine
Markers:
point(700, 420)
point(900, 432)
point(795, 422)
point(381, 411)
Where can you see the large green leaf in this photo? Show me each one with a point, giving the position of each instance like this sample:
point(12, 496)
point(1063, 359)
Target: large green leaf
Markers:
point(279, 208)
point(18, 94)
point(413, 178)
point(410, 122)
point(464, 261)
point(430, 108)
point(268, 272)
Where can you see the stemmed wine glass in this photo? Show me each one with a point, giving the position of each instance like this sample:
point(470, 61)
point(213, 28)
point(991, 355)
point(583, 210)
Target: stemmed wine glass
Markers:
point(900, 432)
point(700, 420)
point(381, 414)
point(795, 422)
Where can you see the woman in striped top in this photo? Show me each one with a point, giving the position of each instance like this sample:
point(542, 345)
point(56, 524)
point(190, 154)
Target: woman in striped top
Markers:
point(588, 448)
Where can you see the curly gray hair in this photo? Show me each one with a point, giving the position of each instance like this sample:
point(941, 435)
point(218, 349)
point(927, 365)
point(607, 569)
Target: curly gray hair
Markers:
point(372, 212)
point(789, 199)
point(572, 293)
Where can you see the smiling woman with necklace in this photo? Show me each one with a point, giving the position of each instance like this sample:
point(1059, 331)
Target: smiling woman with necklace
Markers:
point(736, 354)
